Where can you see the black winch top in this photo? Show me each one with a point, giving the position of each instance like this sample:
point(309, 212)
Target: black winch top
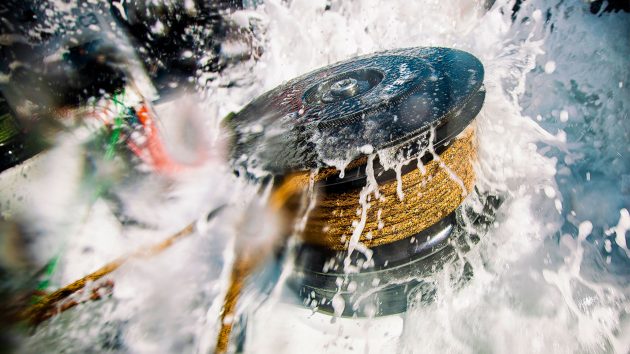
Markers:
point(391, 99)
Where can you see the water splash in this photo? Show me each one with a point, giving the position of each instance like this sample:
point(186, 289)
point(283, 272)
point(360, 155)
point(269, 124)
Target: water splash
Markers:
point(545, 279)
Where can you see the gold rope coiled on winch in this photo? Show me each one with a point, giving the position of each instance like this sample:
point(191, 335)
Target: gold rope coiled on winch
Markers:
point(429, 196)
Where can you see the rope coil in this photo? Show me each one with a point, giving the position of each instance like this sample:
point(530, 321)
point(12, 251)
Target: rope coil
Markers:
point(429, 196)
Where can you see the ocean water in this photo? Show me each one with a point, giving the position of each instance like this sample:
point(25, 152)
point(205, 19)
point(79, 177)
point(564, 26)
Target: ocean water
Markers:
point(551, 276)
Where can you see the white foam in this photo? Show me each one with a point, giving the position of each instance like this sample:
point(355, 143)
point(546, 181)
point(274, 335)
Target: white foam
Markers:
point(537, 285)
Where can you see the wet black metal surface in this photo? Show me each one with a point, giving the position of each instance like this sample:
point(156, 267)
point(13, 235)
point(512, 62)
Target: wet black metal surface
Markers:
point(399, 270)
point(408, 93)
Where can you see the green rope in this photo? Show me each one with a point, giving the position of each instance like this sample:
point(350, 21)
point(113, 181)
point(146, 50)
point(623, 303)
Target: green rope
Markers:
point(48, 272)
point(113, 139)
point(118, 121)
point(116, 101)
point(46, 277)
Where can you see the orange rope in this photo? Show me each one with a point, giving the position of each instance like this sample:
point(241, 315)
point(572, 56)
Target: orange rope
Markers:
point(52, 304)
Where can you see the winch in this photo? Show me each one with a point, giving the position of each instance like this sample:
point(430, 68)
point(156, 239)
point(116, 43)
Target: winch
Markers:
point(383, 146)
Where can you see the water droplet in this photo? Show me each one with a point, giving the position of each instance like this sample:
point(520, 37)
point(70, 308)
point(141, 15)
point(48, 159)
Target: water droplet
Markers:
point(550, 67)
